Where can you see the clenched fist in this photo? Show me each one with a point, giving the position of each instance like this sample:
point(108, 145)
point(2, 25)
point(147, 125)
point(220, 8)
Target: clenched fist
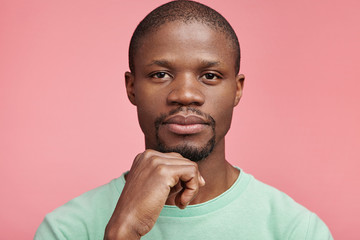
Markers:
point(154, 178)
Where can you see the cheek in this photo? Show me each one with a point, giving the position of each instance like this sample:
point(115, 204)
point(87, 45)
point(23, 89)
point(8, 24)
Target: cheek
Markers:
point(223, 120)
point(149, 108)
point(223, 106)
point(144, 110)
point(147, 95)
point(146, 118)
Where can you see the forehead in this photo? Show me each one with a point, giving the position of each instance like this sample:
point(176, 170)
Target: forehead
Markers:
point(179, 41)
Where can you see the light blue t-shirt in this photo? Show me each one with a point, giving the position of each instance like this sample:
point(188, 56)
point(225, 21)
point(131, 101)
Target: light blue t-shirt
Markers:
point(249, 210)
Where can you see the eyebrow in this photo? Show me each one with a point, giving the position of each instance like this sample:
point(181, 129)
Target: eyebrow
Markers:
point(167, 64)
point(161, 63)
point(206, 64)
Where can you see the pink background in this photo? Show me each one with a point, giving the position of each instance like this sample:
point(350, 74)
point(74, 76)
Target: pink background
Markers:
point(66, 125)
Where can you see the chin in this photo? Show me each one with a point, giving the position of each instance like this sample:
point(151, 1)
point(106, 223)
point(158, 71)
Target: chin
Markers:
point(189, 151)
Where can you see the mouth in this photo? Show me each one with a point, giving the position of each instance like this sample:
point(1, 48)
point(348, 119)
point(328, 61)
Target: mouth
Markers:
point(185, 124)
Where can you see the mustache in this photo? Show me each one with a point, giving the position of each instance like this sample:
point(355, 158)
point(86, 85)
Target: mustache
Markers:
point(160, 120)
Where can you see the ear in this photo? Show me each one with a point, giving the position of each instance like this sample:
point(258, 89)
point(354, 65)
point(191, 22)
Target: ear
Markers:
point(239, 88)
point(129, 84)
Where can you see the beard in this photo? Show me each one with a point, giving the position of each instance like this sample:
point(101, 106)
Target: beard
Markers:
point(192, 153)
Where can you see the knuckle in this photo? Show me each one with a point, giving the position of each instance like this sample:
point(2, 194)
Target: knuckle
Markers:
point(194, 168)
point(176, 154)
point(153, 161)
point(148, 153)
point(195, 191)
point(161, 169)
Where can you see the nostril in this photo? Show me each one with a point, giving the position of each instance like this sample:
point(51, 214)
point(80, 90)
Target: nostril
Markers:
point(186, 96)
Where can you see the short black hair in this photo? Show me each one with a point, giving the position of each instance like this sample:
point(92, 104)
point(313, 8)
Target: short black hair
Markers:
point(187, 12)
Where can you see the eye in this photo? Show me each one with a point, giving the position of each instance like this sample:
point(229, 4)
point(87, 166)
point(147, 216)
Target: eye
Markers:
point(211, 78)
point(160, 76)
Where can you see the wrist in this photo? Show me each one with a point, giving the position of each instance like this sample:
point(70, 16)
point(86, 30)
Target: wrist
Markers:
point(120, 227)
point(120, 232)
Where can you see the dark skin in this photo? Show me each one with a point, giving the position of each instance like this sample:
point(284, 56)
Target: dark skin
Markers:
point(179, 65)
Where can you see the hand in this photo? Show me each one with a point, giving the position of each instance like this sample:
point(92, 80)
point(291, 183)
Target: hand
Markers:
point(153, 178)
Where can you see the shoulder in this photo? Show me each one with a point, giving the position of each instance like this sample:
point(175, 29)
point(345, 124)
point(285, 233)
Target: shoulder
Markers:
point(282, 213)
point(273, 200)
point(83, 216)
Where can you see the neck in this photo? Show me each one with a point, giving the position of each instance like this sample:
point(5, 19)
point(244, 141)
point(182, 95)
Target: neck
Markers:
point(219, 176)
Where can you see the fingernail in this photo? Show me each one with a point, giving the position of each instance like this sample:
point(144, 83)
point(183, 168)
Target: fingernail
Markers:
point(202, 179)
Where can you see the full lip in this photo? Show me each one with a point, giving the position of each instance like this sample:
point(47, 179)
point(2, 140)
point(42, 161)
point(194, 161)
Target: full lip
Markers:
point(185, 120)
point(185, 124)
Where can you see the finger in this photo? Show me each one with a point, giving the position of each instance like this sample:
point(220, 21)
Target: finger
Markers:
point(187, 175)
point(169, 155)
point(178, 200)
point(151, 152)
point(189, 192)
point(189, 178)
point(175, 190)
point(165, 160)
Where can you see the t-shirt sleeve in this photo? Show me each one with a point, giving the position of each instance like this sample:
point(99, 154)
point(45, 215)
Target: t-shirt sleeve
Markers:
point(46, 231)
point(309, 226)
point(57, 227)
point(317, 229)
point(82, 218)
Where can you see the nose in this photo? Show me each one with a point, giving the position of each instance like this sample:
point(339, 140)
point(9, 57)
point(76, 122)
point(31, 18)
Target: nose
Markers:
point(185, 90)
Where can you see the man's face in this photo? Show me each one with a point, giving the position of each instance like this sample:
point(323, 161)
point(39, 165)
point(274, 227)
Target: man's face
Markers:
point(185, 88)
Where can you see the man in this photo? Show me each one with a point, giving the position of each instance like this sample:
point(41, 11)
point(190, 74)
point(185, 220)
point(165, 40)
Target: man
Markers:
point(184, 59)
